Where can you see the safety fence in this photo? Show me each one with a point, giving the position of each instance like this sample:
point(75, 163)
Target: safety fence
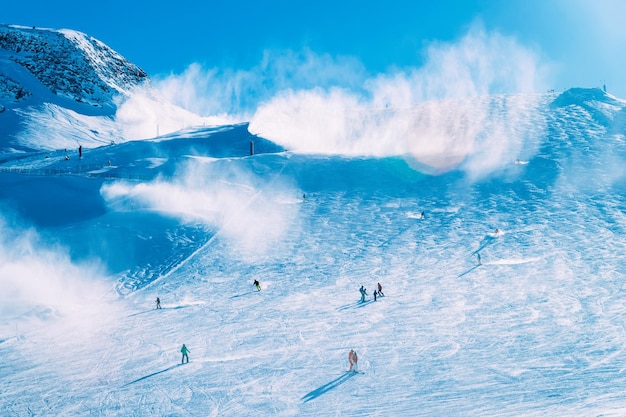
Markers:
point(89, 171)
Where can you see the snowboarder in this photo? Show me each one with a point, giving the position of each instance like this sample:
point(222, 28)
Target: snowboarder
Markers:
point(185, 351)
point(257, 285)
point(353, 359)
point(363, 292)
point(158, 303)
point(380, 290)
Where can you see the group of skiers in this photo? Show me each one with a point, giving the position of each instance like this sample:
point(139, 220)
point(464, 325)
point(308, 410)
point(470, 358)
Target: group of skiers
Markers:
point(377, 292)
point(352, 356)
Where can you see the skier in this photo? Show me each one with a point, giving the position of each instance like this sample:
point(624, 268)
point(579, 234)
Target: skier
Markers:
point(257, 285)
point(185, 351)
point(380, 290)
point(80, 151)
point(158, 303)
point(353, 359)
point(479, 261)
point(422, 215)
point(375, 294)
point(363, 292)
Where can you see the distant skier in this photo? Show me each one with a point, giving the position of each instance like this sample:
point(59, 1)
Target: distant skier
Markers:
point(158, 303)
point(185, 351)
point(422, 216)
point(80, 151)
point(363, 292)
point(257, 285)
point(353, 359)
point(375, 294)
point(478, 257)
point(380, 290)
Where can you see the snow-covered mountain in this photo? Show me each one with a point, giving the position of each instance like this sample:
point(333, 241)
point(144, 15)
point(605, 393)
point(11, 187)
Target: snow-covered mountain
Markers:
point(68, 63)
point(534, 184)
point(63, 88)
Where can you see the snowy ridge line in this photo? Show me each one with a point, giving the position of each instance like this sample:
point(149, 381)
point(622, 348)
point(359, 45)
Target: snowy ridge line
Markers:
point(201, 248)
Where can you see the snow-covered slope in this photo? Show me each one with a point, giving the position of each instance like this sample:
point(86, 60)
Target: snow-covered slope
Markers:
point(87, 244)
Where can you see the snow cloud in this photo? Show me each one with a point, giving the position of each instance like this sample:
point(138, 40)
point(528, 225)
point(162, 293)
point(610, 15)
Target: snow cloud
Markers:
point(221, 92)
point(436, 115)
point(223, 196)
point(146, 114)
point(447, 112)
point(40, 282)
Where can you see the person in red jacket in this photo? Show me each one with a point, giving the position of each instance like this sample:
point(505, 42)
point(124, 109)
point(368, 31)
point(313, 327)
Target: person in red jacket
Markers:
point(353, 359)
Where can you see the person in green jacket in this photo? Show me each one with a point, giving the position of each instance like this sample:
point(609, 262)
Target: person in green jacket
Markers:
point(185, 351)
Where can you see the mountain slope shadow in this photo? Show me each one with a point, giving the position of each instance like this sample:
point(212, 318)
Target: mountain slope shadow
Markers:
point(328, 386)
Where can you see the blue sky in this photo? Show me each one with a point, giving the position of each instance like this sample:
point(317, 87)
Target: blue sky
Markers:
point(581, 41)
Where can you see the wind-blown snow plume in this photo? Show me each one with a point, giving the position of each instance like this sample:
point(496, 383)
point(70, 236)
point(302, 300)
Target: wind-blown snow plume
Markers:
point(237, 93)
point(438, 115)
point(145, 114)
point(40, 279)
point(219, 195)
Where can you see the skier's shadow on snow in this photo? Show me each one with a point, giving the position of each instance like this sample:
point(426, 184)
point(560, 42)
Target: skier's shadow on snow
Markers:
point(469, 270)
point(153, 374)
point(245, 293)
point(328, 386)
point(394, 236)
point(358, 304)
point(154, 309)
point(487, 240)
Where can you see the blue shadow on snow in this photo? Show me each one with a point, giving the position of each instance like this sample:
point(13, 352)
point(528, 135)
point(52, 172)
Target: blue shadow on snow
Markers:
point(487, 240)
point(328, 386)
point(156, 309)
point(357, 304)
point(469, 270)
point(153, 374)
point(245, 293)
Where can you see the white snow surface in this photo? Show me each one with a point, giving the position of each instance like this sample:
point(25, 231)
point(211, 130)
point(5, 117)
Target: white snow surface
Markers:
point(86, 246)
